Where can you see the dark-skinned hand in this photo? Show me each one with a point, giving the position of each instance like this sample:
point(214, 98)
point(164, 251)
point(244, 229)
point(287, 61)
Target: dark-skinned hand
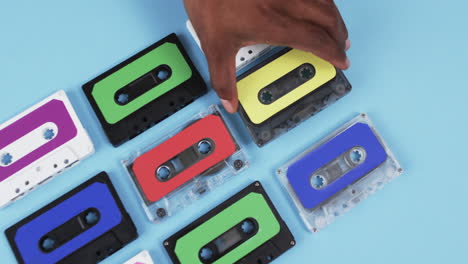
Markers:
point(225, 26)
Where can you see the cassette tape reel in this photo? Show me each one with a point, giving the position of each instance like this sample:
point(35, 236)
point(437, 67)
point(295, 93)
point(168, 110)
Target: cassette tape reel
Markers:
point(245, 56)
point(285, 90)
point(201, 156)
point(92, 225)
point(143, 257)
point(244, 229)
point(38, 144)
point(145, 89)
point(339, 172)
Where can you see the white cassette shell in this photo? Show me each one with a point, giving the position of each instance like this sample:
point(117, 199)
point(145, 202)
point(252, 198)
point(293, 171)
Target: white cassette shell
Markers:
point(49, 165)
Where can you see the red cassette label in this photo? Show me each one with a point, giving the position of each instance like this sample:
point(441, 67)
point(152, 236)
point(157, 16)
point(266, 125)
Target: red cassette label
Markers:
point(189, 153)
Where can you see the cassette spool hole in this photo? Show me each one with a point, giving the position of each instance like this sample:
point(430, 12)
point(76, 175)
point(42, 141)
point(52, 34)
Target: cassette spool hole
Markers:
point(122, 98)
point(6, 160)
point(357, 155)
point(205, 147)
point(247, 226)
point(49, 134)
point(163, 74)
point(206, 254)
point(266, 97)
point(92, 217)
point(163, 173)
point(47, 244)
point(318, 182)
point(307, 72)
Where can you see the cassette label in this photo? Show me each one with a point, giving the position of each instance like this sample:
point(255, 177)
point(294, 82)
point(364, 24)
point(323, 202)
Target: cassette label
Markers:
point(317, 178)
point(144, 89)
point(244, 229)
point(143, 257)
point(198, 147)
point(276, 84)
point(38, 144)
point(199, 157)
point(92, 225)
point(286, 89)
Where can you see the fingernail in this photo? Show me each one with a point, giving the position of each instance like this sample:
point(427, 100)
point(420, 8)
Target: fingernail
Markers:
point(228, 106)
point(348, 44)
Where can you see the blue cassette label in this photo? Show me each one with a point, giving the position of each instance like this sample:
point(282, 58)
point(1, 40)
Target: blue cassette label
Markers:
point(97, 197)
point(331, 167)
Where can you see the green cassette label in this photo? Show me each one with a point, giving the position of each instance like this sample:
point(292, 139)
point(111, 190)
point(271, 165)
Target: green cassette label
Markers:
point(252, 206)
point(244, 229)
point(104, 91)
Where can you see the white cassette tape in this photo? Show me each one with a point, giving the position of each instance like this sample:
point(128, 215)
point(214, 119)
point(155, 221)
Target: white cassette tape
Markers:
point(245, 55)
point(143, 257)
point(39, 143)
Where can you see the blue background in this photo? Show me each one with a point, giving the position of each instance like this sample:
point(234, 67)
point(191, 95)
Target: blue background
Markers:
point(408, 71)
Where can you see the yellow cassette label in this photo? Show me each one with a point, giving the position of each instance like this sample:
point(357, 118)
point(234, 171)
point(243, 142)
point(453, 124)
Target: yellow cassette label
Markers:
point(249, 87)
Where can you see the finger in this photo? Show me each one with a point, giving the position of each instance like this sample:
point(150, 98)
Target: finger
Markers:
point(222, 67)
point(322, 13)
point(307, 37)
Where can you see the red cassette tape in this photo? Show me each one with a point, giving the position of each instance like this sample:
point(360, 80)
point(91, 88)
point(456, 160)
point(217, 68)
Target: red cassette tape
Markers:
point(194, 160)
point(146, 166)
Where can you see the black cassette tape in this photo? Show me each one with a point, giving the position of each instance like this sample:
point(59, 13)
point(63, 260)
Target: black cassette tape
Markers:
point(84, 226)
point(244, 229)
point(144, 90)
point(285, 90)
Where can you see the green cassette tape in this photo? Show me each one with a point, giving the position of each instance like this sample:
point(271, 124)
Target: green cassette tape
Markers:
point(145, 89)
point(244, 229)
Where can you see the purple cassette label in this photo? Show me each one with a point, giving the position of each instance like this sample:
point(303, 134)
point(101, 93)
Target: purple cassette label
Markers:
point(300, 173)
point(55, 112)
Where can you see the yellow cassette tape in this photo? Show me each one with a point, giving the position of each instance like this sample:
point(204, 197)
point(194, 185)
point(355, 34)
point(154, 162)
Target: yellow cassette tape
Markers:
point(285, 90)
point(250, 87)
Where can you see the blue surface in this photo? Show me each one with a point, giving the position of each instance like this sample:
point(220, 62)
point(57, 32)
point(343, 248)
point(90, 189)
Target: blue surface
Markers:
point(408, 71)
point(299, 173)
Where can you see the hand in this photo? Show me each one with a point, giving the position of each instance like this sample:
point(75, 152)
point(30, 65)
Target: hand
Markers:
point(224, 26)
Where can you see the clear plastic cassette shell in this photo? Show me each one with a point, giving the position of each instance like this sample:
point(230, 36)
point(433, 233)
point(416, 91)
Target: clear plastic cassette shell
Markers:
point(348, 197)
point(199, 185)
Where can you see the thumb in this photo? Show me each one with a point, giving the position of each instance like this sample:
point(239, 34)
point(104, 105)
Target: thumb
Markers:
point(222, 66)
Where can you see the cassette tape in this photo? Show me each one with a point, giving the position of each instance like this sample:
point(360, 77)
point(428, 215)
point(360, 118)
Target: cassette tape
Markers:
point(340, 171)
point(145, 89)
point(38, 144)
point(143, 257)
point(244, 229)
point(286, 89)
point(84, 226)
point(245, 56)
point(171, 174)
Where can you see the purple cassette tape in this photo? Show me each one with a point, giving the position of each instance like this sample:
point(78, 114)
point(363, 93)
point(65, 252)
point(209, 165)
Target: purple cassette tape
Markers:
point(343, 169)
point(38, 144)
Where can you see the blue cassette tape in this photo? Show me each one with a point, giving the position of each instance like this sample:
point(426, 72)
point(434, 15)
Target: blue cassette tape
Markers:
point(340, 171)
point(84, 226)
